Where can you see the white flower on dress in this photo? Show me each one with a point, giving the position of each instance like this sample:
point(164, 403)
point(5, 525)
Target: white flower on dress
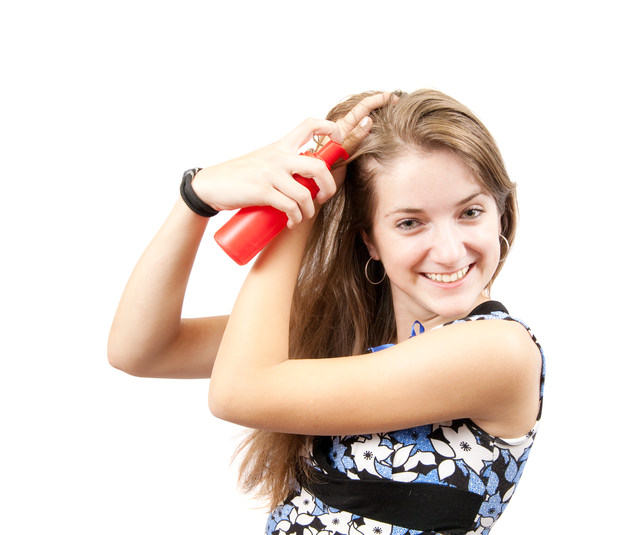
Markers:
point(304, 519)
point(371, 527)
point(295, 518)
point(314, 531)
point(508, 494)
point(479, 530)
point(518, 447)
point(283, 527)
point(336, 522)
point(308, 531)
point(486, 521)
point(304, 502)
point(426, 458)
point(367, 452)
point(462, 444)
point(445, 469)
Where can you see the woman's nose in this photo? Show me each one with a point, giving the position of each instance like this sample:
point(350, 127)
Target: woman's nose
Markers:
point(447, 247)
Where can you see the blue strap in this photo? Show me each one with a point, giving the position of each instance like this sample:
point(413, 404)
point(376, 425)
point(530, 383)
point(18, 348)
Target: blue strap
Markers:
point(413, 329)
point(416, 325)
point(380, 348)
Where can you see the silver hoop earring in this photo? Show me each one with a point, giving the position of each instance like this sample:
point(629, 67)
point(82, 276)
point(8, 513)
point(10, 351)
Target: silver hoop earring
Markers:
point(366, 273)
point(508, 248)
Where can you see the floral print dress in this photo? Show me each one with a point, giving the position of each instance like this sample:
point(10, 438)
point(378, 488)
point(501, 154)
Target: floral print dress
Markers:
point(455, 454)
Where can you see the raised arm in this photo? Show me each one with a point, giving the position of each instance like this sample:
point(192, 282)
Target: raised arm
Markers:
point(148, 336)
point(488, 371)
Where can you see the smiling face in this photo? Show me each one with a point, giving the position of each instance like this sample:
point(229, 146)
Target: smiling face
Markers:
point(436, 230)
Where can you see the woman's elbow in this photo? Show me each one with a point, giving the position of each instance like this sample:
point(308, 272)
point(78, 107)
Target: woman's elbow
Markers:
point(124, 360)
point(219, 407)
point(120, 362)
point(226, 403)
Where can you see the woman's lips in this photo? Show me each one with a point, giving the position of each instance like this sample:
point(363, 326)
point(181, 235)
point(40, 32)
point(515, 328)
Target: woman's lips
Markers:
point(448, 278)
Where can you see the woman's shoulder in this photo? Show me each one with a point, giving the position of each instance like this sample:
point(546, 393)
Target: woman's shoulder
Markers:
point(523, 341)
point(492, 309)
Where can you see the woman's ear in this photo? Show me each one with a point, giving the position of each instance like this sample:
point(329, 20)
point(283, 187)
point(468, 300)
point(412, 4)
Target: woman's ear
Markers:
point(371, 247)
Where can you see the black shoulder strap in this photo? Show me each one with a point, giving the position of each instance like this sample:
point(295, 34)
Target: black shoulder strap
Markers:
point(487, 308)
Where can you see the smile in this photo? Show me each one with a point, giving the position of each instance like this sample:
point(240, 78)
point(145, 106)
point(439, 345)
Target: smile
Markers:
point(447, 277)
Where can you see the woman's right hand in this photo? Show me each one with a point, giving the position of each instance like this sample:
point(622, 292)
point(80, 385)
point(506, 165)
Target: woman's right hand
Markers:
point(265, 177)
point(148, 336)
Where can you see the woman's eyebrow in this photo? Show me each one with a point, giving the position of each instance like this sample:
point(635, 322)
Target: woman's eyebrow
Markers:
point(405, 211)
point(410, 210)
point(470, 197)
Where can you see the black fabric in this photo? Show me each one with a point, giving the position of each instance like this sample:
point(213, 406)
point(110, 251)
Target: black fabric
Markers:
point(487, 308)
point(420, 506)
point(423, 506)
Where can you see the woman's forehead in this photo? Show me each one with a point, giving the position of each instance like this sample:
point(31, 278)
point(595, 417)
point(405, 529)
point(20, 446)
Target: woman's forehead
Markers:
point(415, 171)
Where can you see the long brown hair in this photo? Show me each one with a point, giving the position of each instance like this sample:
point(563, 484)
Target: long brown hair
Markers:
point(335, 311)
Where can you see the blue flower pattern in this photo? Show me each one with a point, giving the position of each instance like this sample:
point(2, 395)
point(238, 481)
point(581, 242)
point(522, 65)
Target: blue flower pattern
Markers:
point(456, 453)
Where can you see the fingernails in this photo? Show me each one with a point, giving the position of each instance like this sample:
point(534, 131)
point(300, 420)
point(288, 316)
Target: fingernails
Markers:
point(365, 123)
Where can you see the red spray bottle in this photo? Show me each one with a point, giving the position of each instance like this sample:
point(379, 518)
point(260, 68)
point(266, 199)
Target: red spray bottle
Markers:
point(252, 228)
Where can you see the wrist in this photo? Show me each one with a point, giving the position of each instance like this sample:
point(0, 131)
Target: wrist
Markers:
point(190, 197)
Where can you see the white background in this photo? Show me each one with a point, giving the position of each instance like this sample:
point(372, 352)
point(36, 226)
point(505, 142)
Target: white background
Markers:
point(103, 106)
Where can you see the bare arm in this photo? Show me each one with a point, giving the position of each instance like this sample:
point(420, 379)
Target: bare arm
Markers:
point(148, 336)
point(488, 371)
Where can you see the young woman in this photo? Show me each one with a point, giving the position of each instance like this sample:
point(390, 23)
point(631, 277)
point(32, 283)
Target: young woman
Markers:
point(380, 401)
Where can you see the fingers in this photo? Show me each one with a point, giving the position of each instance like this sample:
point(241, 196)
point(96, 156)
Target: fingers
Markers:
point(356, 125)
point(317, 170)
point(357, 134)
point(310, 128)
point(339, 130)
point(360, 111)
point(294, 210)
point(348, 131)
point(265, 177)
point(294, 199)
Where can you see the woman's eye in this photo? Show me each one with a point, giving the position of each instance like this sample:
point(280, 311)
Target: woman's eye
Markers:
point(471, 213)
point(407, 224)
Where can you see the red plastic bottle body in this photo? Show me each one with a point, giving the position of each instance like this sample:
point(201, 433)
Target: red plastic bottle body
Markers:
point(252, 228)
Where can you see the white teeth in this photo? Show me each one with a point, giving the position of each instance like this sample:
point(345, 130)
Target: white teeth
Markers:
point(448, 277)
